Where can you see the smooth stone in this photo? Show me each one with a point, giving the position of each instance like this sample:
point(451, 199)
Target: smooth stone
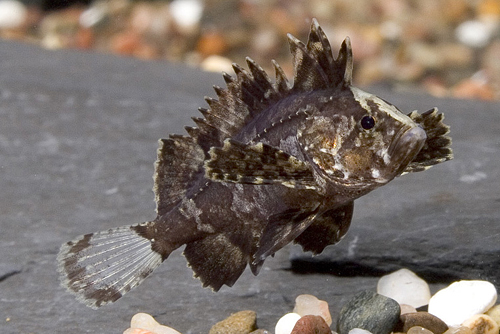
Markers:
point(143, 323)
point(260, 331)
point(461, 300)
point(494, 313)
point(242, 322)
point(137, 331)
point(359, 331)
point(418, 330)
point(481, 324)
point(370, 311)
point(311, 324)
point(422, 319)
point(458, 330)
point(405, 287)
point(286, 323)
point(311, 305)
point(407, 309)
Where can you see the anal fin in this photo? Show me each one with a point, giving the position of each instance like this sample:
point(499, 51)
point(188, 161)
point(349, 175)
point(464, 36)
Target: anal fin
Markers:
point(218, 259)
point(257, 164)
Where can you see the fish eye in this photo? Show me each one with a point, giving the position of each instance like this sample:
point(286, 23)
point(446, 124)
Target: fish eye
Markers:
point(367, 122)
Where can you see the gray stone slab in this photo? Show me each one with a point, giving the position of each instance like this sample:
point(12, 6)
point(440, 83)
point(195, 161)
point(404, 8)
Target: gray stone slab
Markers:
point(78, 135)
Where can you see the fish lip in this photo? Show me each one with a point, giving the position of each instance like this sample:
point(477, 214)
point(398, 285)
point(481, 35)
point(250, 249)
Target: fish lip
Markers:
point(406, 145)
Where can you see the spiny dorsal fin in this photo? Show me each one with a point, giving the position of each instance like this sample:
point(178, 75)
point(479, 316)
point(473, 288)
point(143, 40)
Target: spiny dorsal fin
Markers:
point(252, 91)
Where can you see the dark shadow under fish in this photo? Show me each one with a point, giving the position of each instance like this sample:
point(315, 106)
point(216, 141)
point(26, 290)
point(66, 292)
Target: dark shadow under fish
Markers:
point(270, 163)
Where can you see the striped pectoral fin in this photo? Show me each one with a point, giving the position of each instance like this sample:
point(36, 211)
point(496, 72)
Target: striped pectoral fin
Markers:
point(101, 267)
point(257, 164)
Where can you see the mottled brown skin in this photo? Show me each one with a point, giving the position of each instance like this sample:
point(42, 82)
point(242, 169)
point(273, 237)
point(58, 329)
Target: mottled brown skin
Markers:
point(269, 163)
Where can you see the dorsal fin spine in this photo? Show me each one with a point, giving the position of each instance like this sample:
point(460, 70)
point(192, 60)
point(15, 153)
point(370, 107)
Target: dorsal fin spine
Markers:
point(250, 92)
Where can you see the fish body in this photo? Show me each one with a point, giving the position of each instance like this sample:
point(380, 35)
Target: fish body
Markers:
point(269, 163)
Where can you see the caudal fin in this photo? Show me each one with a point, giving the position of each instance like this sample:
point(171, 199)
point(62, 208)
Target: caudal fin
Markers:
point(101, 267)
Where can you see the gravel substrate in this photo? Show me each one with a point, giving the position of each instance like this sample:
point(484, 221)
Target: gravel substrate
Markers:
point(445, 47)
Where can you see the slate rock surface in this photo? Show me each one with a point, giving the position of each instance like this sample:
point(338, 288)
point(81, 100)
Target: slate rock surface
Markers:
point(78, 139)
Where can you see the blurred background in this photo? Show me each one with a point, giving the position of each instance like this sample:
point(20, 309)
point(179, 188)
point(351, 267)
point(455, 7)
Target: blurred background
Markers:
point(443, 47)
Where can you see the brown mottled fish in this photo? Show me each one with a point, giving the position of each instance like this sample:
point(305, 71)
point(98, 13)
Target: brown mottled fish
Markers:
point(270, 163)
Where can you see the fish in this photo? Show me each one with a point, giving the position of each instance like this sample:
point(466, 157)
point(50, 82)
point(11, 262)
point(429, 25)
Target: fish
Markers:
point(271, 162)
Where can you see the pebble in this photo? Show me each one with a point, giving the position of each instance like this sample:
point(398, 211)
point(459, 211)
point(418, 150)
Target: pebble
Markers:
point(474, 33)
point(371, 311)
point(461, 300)
point(242, 322)
point(12, 14)
point(311, 324)
point(407, 309)
point(186, 14)
point(286, 323)
point(143, 323)
point(458, 330)
point(422, 319)
point(418, 330)
point(405, 287)
point(481, 324)
point(494, 313)
point(215, 63)
point(310, 305)
point(359, 331)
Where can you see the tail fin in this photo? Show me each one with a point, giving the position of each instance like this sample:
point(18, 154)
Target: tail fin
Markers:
point(101, 267)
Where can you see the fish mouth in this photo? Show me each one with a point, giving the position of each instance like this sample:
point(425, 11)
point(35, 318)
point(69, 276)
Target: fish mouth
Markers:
point(406, 145)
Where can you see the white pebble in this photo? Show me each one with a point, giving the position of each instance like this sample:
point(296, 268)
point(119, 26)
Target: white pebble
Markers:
point(474, 33)
point(461, 300)
point(404, 287)
point(310, 305)
point(143, 323)
point(286, 323)
point(215, 63)
point(12, 14)
point(186, 13)
point(359, 331)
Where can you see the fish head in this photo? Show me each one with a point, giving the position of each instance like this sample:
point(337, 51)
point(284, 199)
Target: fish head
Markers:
point(358, 139)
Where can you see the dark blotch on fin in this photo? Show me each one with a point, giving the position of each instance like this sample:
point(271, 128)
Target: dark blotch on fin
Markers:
point(257, 164)
point(437, 147)
point(218, 259)
point(326, 229)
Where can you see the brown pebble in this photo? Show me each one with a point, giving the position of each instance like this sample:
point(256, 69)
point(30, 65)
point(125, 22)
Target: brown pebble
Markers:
point(311, 324)
point(243, 322)
point(481, 324)
point(422, 319)
point(418, 330)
